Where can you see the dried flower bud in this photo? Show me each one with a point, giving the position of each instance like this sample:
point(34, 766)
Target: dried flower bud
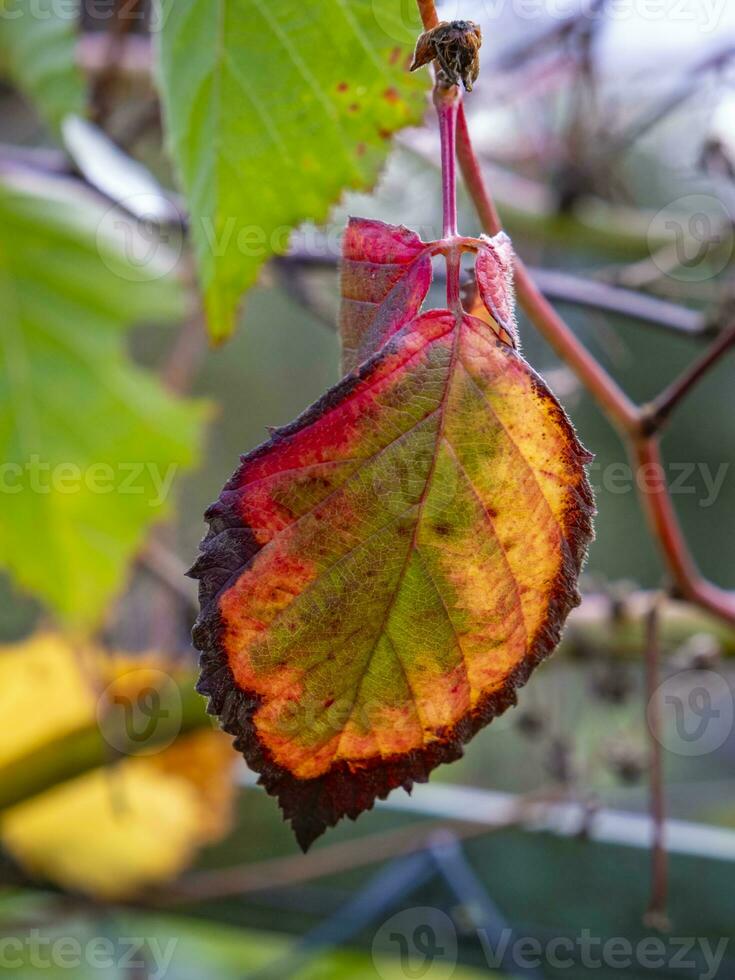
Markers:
point(455, 46)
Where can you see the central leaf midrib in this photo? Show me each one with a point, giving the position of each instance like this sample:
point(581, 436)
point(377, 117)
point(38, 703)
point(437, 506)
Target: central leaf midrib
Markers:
point(412, 546)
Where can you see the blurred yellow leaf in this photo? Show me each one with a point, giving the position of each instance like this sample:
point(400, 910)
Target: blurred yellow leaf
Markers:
point(44, 693)
point(111, 832)
point(119, 828)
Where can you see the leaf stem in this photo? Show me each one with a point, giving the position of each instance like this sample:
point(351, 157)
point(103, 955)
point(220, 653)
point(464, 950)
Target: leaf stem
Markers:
point(447, 101)
point(663, 405)
point(429, 16)
point(619, 408)
point(631, 420)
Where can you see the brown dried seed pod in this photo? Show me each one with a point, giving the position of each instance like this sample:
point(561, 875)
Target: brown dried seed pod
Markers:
point(455, 46)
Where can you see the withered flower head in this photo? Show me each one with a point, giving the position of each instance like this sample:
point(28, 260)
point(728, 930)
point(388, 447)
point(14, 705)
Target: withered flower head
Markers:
point(455, 46)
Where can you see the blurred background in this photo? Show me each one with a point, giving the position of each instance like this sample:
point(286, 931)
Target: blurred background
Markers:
point(135, 843)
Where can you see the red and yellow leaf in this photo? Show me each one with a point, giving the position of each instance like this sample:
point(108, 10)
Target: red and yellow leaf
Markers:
point(383, 573)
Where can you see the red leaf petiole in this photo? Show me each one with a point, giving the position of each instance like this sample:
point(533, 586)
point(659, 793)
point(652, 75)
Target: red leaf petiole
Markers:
point(447, 101)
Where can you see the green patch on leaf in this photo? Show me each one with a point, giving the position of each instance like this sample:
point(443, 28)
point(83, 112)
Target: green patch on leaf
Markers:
point(273, 109)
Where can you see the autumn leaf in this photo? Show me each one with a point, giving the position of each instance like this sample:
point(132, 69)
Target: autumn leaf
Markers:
point(386, 274)
point(494, 275)
point(382, 574)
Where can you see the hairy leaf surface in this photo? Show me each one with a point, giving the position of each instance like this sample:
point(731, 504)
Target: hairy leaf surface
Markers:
point(382, 574)
point(494, 274)
point(256, 89)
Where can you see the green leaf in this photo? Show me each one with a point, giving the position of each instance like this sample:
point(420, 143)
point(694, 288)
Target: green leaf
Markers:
point(89, 443)
point(274, 107)
point(37, 51)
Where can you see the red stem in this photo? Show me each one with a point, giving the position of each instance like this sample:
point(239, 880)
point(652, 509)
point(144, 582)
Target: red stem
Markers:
point(446, 108)
point(619, 408)
point(633, 422)
point(622, 412)
point(664, 404)
point(657, 505)
point(447, 102)
point(427, 10)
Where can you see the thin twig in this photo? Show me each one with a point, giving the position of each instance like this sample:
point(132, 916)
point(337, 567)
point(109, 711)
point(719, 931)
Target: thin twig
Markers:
point(619, 408)
point(135, 60)
point(427, 11)
point(663, 405)
point(186, 355)
point(590, 293)
point(683, 92)
point(656, 913)
point(169, 570)
point(106, 80)
point(626, 416)
point(658, 507)
point(284, 872)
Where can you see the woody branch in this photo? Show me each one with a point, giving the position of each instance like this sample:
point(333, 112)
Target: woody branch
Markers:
point(640, 426)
